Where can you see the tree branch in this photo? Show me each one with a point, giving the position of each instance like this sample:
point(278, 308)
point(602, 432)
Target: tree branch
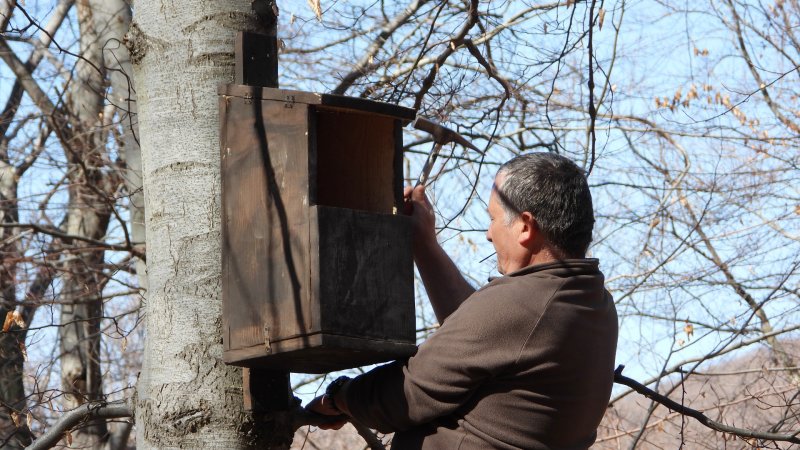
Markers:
point(697, 415)
point(756, 76)
point(15, 97)
point(72, 237)
point(365, 64)
point(454, 44)
point(301, 417)
point(94, 410)
point(372, 441)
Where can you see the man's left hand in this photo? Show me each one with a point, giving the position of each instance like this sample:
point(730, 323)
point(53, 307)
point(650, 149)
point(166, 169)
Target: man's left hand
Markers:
point(322, 405)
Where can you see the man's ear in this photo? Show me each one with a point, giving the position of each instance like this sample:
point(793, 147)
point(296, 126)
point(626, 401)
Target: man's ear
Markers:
point(529, 229)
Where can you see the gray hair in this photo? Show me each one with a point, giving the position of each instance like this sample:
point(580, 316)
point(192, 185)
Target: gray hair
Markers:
point(555, 191)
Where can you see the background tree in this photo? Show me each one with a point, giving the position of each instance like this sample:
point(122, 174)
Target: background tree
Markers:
point(57, 234)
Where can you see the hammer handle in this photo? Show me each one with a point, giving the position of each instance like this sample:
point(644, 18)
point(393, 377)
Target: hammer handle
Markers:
point(426, 169)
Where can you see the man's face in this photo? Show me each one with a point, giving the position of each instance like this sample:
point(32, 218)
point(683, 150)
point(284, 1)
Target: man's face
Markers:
point(501, 234)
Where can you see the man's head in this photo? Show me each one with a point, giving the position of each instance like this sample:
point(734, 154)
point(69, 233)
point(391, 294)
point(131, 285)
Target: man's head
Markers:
point(546, 204)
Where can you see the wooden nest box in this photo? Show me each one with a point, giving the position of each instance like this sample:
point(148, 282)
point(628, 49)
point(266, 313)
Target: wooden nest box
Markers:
point(317, 264)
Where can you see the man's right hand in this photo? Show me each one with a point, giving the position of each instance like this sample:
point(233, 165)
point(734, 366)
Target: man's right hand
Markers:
point(445, 285)
point(422, 216)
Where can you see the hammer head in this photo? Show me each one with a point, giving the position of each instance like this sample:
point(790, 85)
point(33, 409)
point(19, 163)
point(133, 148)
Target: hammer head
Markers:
point(441, 134)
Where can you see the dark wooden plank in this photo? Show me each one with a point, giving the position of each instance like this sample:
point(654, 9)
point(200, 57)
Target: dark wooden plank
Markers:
point(255, 356)
point(397, 163)
point(366, 274)
point(374, 107)
point(256, 59)
point(226, 244)
point(310, 98)
point(329, 353)
point(266, 390)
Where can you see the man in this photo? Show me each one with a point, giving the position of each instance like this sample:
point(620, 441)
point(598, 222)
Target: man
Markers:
point(527, 361)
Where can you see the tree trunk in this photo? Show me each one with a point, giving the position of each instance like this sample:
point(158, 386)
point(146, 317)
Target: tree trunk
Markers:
point(87, 215)
point(114, 16)
point(186, 396)
point(12, 393)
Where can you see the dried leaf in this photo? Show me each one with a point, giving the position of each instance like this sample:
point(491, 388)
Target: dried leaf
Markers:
point(13, 317)
point(9, 320)
point(68, 437)
point(689, 329)
point(24, 351)
point(316, 7)
point(569, 3)
point(29, 419)
point(601, 16)
point(18, 319)
point(124, 343)
point(15, 418)
point(797, 210)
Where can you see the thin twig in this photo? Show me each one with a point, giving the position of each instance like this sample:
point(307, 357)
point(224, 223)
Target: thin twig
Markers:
point(592, 109)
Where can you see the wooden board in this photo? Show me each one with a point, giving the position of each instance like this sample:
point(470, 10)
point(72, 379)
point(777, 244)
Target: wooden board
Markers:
point(365, 272)
point(265, 230)
point(256, 59)
point(312, 98)
point(322, 353)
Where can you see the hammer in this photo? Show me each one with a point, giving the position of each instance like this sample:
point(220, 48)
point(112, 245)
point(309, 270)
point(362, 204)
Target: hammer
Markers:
point(441, 135)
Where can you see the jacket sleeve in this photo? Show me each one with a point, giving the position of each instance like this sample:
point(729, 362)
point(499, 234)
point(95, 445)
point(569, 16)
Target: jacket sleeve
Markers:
point(480, 339)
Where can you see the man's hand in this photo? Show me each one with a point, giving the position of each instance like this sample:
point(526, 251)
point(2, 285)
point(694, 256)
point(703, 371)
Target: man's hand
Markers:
point(422, 217)
point(444, 283)
point(321, 405)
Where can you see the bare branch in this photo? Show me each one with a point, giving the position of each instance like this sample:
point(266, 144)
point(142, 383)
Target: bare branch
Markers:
point(74, 237)
point(372, 440)
point(699, 416)
point(15, 97)
point(70, 419)
point(365, 64)
point(453, 45)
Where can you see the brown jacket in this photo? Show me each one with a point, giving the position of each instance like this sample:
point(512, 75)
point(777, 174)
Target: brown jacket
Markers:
point(525, 362)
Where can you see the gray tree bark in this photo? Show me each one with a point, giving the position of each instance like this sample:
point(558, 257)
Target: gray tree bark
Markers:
point(186, 396)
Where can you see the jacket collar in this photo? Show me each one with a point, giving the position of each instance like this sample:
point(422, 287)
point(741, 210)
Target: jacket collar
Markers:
point(563, 267)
